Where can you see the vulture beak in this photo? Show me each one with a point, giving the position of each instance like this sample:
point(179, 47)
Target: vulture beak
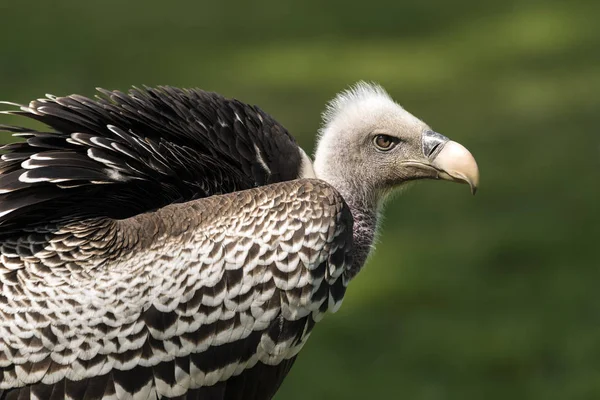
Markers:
point(452, 160)
point(455, 163)
point(448, 160)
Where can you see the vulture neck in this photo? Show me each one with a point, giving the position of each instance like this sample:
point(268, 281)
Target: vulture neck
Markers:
point(364, 231)
point(365, 213)
point(362, 201)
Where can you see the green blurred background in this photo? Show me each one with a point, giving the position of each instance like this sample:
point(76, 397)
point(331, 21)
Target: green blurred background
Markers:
point(491, 297)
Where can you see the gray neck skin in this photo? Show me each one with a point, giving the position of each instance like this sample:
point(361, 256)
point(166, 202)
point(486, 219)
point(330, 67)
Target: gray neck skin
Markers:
point(365, 229)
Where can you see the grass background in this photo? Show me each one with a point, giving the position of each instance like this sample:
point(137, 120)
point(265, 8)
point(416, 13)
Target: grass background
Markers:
point(492, 297)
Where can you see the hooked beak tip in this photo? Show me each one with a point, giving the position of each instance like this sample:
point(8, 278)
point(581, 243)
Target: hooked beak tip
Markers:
point(457, 164)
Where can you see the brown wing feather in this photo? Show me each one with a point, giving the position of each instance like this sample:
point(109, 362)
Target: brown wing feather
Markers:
point(207, 299)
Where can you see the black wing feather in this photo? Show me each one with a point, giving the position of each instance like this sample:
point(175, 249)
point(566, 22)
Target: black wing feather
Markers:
point(126, 153)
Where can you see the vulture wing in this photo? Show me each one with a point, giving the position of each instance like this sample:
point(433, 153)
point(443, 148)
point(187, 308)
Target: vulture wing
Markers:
point(207, 299)
point(147, 249)
point(123, 154)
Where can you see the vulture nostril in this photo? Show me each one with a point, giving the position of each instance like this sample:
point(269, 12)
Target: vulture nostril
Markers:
point(433, 150)
point(433, 143)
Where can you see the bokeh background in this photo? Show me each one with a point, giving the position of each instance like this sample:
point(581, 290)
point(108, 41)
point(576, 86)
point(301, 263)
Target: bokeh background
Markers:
point(491, 297)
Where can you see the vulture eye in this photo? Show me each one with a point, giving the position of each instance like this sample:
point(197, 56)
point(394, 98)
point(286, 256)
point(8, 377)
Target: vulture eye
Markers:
point(385, 142)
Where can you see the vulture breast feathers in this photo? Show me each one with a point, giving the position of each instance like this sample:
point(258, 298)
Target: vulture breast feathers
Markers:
point(160, 244)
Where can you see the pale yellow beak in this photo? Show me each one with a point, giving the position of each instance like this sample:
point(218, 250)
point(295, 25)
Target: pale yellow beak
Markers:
point(455, 163)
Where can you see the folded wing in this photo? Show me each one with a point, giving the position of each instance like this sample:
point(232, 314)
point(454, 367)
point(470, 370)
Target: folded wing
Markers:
point(212, 297)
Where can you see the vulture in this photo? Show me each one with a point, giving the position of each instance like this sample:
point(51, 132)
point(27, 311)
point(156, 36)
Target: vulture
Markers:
point(170, 243)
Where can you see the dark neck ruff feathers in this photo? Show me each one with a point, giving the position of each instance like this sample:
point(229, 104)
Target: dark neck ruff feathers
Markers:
point(365, 228)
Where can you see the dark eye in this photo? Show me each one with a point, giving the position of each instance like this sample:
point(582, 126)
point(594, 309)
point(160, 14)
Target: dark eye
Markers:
point(385, 142)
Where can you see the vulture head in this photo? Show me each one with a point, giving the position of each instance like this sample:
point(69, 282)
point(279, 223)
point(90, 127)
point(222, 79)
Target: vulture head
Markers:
point(369, 146)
